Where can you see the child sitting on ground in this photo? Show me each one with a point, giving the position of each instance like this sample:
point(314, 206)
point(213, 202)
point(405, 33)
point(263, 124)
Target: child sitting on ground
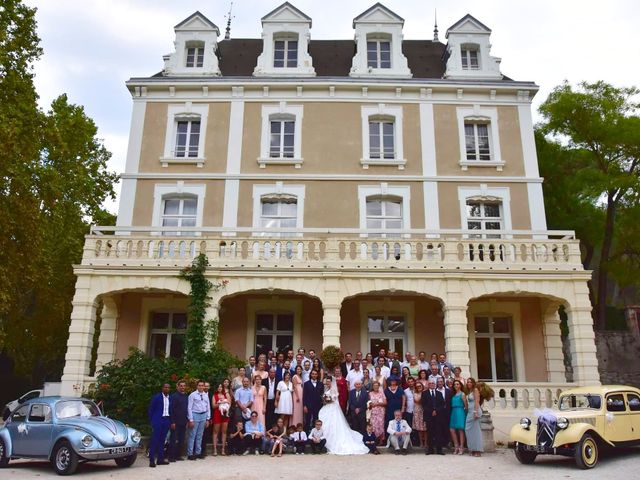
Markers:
point(317, 440)
point(369, 439)
point(299, 439)
point(236, 440)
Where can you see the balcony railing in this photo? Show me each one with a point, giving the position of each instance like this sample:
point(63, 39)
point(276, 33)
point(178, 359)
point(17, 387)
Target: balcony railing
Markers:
point(525, 396)
point(339, 248)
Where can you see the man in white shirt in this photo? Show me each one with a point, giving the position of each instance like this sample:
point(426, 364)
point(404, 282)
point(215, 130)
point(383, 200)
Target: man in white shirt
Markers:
point(354, 375)
point(306, 370)
point(434, 374)
point(367, 366)
point(384, 370)
point(422, 360)
point(399, 433)
point(199, 415)
point(408, 392)
point(407, 360)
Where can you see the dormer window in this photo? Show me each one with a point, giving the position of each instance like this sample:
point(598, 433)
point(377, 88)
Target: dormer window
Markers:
point(285, 53)
point(195, 55)
point(378, 53)
point(469, 56)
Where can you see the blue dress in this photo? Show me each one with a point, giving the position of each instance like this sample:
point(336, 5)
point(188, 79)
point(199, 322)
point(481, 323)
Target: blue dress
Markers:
point(394, 402)
point(472, 429)
point(458, 416)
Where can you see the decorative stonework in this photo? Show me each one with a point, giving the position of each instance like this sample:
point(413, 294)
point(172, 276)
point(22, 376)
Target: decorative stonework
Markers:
point(194, 31)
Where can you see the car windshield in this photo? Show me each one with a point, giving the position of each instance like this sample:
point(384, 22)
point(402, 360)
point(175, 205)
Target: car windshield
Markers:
point(570, 402)
point(76, 408)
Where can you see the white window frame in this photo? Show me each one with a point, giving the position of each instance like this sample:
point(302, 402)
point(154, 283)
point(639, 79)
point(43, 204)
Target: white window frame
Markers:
point(273, 333)
point(484, 232)
point(276, 112)
point(476, 139)
point(199, 48)
point(281, 119)
point(169, 331)
point(286, 37)
point(486, 194)
point(180, 215)
point(386, 335)
point(491, 335)
point(380, 111)
point(167, 190)
point(175, 113)
point(378, 39)
point(469, 47)
point(384, 190)
point(488, 116)
point(265, 190)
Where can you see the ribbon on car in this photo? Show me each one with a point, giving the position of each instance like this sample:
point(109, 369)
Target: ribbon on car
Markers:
point(547, 415)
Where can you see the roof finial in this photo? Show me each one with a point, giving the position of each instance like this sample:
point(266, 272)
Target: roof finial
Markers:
point(435, 26)
point(227, 34)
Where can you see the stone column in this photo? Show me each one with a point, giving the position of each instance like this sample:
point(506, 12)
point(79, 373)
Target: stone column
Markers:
point(456, 337)
point(331, 325)
point(582, 341)
point(80, 342)
point(553, 343)
point(108, 332)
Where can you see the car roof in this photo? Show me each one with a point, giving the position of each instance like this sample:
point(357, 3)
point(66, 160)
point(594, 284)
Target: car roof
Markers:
point(53, 399)
point(600, 390)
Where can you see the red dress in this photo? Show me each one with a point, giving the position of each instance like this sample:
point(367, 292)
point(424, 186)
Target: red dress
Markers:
point(217, 417)
point(343, 392)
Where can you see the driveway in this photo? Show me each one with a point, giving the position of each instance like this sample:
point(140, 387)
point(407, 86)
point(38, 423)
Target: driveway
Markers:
point(621, 464)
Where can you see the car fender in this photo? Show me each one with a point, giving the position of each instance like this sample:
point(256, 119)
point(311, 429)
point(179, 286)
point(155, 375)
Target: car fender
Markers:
point(574, 433)
point(6, 438)
point(521, 435)
point(72, 435)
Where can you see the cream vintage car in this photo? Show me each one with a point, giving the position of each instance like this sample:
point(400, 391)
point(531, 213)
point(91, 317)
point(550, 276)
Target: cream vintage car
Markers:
point(586, 420)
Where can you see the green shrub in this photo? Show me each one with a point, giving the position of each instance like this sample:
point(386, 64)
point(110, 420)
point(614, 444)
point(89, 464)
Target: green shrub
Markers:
point(332, 356)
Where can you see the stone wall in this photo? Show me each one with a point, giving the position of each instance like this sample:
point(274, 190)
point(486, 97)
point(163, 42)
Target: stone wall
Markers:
point(618, 358)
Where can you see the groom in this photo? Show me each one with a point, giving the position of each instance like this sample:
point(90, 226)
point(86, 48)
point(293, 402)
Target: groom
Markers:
point(312, 400)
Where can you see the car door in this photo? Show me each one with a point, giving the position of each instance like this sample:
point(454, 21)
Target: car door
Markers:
point(17, 426)
point(616, 425)
point(633, 402)
point(40, 426)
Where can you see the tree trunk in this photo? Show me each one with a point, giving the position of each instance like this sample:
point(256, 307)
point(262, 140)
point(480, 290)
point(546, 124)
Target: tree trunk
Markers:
point(605, 252)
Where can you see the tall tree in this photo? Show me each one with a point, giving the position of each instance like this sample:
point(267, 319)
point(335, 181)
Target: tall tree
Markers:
point(602, 122)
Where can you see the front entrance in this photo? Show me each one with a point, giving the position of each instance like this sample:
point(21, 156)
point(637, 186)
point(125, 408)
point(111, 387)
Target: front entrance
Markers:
point(388, 331)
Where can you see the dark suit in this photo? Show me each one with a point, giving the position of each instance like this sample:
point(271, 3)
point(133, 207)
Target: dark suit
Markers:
point(280, 373)
point(435, 424)
point(312, 400)
point(358, 420)
point(178, 409)
point(270, 417)
point(160, 425)
point(345, 368)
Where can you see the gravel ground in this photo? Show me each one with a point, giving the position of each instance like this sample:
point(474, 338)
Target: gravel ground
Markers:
point(621, 464)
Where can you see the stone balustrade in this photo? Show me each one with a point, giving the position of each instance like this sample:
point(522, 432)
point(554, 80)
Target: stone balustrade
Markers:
point(524, 397)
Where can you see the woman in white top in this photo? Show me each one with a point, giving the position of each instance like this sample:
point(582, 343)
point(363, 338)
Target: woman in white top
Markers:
point(284, 398)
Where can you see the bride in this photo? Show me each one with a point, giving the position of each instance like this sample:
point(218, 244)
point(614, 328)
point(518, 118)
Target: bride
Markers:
point(341, 440)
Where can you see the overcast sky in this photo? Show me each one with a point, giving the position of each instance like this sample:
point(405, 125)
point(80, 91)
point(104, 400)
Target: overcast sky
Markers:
point(91, 47)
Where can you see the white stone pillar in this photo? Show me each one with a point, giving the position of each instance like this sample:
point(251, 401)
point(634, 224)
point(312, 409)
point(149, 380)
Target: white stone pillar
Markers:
point(331, 325)
point(108, 333)
point(456, 337)
point(553, 343)
point(80, 342)
point(582, 343)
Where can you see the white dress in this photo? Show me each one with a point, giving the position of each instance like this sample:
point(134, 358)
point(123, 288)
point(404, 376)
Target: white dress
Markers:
point(341, 440)
point(285, 404)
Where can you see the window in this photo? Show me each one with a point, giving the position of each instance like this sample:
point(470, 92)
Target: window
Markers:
point(187, 138)
point(484, 216)
point(279, 212)
point(381, 139)
point(615, 403)
point(195, 56)
point(179, 212)
point(168, 331)
point(40, 413)
point(470, 58)
point(378, 53)
point(476, 137)
point(634, 402)
point(274, 331)
point(384, 213)
point(387, 331)
point(494, 349)
point(285, 53)
point(282, 143)
point(20, 415)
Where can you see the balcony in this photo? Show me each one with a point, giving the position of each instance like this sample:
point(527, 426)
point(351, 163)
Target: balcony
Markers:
point(343, 249)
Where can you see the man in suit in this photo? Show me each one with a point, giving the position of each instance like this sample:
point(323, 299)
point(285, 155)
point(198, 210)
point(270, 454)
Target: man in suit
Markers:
point(270, 385)
point(447, 394)
point(345, 366)
point(434, 411)
point(249, 369)
point(160, 419)
point(179, 421)
point(358, 398)
point(280, 371)
point(312, 400)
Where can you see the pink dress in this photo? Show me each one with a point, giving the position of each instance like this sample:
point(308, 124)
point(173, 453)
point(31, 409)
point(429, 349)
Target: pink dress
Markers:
point(298, 406)
point(377, 412)
point(259, 402)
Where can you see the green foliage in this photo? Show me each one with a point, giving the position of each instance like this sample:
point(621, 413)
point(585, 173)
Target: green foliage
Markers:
point(332, 357)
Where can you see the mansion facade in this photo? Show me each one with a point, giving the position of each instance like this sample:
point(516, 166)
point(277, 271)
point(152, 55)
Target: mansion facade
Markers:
point(367, 192)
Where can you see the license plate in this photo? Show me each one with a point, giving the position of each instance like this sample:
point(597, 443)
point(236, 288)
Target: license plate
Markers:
point(119, 450)
point(535, 448)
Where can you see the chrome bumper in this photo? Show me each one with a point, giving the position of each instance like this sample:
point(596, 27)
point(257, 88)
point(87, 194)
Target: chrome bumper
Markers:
point(107, 453)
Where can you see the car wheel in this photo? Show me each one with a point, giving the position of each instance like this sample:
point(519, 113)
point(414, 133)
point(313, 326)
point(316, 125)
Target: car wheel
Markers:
point(4, 459)
point(64, 458)
point(586, 454)
point(525, 457)
point(126, 462)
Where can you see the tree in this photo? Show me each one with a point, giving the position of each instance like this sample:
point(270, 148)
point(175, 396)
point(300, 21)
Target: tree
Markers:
point(601, 123)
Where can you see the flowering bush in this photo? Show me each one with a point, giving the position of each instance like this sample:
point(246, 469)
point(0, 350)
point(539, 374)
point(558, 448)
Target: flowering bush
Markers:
point(332, 356)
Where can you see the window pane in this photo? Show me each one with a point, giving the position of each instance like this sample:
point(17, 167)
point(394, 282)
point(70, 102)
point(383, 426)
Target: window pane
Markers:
point(177, 346)
point(393, 209)
point(385, 46)
point(374, 223)
point(270, 223)
point(504, 362)
point(40, 413)
point(158, 347)
point(160, 321)
point(393, 224)
point(474, 209)
point(171, 206)
point(474, 225)
point(482, 325)
point(473, 58)
point(615, 403)
point(20, 415)
point(375, 344)
point(285, 322)
point(483, 352)
point(501, 324)
point(492, 210)
point(170, 222)
point(374, 207)
point(288, 223)
point(492, 225)
point(180, 321)
point(284, 343)
point(275, 127)
point(188, 222)
point(399, 347)
point(189, 206)
point(289, 209)
point(264, 322)
point(263, 344)
point(395, 324)
point(375, 325)
point(289, 127)
point(269, 208)
point(634, 402)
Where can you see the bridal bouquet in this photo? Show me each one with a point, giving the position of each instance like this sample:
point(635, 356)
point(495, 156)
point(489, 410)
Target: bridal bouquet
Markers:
point(327, 398)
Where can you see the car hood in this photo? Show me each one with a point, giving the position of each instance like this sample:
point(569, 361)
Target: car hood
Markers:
point(110, 433)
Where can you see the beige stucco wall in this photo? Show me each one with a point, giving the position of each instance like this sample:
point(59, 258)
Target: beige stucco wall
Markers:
point(128, 323)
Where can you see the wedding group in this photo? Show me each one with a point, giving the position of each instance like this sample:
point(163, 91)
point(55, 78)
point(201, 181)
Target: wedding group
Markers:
point(293, 403)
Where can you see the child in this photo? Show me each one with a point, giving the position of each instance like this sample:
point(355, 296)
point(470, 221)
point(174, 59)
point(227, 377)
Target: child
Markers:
point(316, 438)
point(236, 440)
point(223, 406)
point(369, 440)
point(289, 445)
point(276, 437)
point(299, 439)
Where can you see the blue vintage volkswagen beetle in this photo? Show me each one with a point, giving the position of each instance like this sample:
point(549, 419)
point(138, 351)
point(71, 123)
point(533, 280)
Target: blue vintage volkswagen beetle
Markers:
point(66, 431)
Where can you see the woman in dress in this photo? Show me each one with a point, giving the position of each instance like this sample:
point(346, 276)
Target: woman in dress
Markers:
point(298, 406)
point(377, 404)
point(367, 383)
point(259, 399)
point(220, 422)
point(458, 417)
point(226, 385)
point(341, 440)
point(395, 399)
point(262, 370)
point(342, 387)
point(419, 424)
point(316, 365)
point(236, 383)
point(275, 438)
point(414, 366)
point(284, 398)
point(423, 378)
point(457, 371)
point(405, 378)
point(474, 412)
point(379, 377)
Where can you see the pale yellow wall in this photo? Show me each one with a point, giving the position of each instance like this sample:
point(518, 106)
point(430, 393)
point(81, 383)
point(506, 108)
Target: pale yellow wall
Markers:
point(533, 344)
point(128, 324)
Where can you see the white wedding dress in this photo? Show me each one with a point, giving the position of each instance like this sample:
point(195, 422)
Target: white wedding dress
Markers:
point(341, 440)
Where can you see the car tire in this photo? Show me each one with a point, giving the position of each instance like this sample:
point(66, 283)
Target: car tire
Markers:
point(4, 459)
point(126, 462)
point(64, 459)
point(525, 457)
point(586, 454)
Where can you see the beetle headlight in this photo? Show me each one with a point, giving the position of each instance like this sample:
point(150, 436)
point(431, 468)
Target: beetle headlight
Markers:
point(525, 423)
point(562, 423)
point(135, 436)
point(87, 440)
